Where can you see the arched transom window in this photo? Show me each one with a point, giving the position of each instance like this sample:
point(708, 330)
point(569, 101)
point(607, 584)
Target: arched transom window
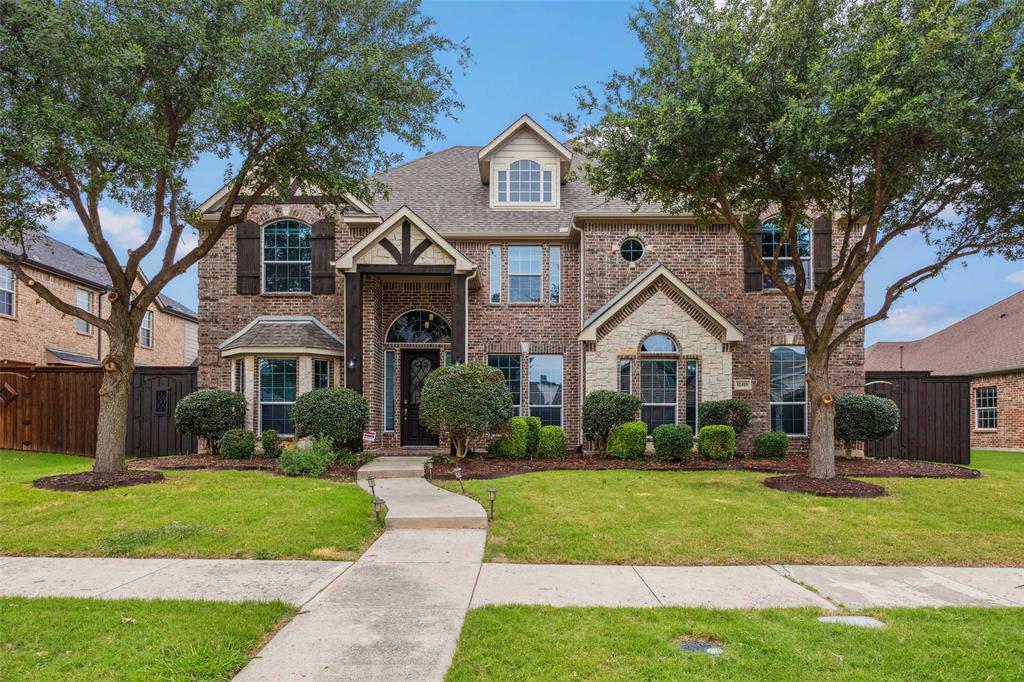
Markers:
point(524, 182)
point(419, 326)
point(658, 343)
point(287, 256)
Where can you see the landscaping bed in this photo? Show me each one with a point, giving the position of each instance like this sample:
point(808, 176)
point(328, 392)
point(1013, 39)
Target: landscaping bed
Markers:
point(86, 481)
point(825, 487)
point(336, 472)
point(490, 467)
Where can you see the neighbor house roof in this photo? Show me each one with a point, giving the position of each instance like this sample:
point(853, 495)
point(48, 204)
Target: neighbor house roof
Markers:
point(63, 259)
point(988, 342)
point(268, 333)
point(65, 355)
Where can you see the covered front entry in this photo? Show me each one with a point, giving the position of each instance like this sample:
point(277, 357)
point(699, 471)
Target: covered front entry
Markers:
point(416, 365)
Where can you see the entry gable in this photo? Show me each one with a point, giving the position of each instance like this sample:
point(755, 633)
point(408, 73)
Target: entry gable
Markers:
point(659, 277)
point(405, 239)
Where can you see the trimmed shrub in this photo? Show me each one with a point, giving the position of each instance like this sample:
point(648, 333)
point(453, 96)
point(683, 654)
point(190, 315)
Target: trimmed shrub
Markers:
point(513, 442)
point(271, 443)
point(209, 413)
point(552, 442)
point(238, 444)
point(310, 460)
point(532, 436)
point(605, 410)
point(628, 441)
point(865, 417)
point(771, 445)
point(673, 441)
point(717, 441)
point(465, 402)
point(338, 414)
point(732, 412)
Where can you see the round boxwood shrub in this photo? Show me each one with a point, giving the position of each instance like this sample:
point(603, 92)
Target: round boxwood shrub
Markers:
point(717, 441)
point(673, 441)
point(771, 445)
point(512, 443)
point(271, 443)
point(605, 410)
point(338, 414)
point(628, 441)
point(732, 412)
point(865, 417)
point(465, 402)
point(209, 413)
point(552, 442)
point(238, 444)
point(532, 436)
point(309, 460)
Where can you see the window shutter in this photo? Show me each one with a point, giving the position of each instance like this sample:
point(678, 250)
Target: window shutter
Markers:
point(822, 248)
point(247, 251)
point(753, 278)
point(322, 241)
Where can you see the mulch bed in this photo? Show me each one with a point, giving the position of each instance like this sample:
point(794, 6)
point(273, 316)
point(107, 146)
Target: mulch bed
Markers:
point(88, 481)
point(828, 487)
point(344, 473)
point(487, 467)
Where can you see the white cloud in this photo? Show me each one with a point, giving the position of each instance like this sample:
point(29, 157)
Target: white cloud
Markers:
point(124, 229)
point(1016, 277)
point(912, 322)
point(186, 244)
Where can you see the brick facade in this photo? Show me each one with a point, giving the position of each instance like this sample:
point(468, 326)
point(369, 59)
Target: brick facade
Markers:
point(1009, 434)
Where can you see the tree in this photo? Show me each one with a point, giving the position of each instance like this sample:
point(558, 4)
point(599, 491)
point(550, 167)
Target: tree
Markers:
point(466, 402)
point(886, 117)
point(117, 101)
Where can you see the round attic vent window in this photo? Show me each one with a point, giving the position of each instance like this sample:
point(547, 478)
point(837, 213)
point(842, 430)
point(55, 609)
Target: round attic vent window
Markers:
point(632, 250)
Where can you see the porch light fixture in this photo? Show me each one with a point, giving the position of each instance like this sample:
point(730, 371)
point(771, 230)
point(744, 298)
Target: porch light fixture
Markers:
point(371, 481)
point(378, 504)
point(491, 494)
point(457, 472)
point(351, 363)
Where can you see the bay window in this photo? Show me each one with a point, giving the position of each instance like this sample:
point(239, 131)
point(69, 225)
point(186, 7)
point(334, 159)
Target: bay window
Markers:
point(278, 381)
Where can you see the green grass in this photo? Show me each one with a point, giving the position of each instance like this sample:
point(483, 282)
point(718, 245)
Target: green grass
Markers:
point(546, 643)
point(226, 514)
point(729, 517)
point(95, 639)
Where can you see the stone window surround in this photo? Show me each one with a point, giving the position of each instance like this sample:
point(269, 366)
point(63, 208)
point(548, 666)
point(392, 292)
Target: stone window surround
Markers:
point(680, 359)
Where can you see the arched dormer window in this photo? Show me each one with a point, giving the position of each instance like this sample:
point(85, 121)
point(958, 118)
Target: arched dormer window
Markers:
point(772, 233)
point(525, 182)
point(419, 326)
point(658, 343)
point(287, 257)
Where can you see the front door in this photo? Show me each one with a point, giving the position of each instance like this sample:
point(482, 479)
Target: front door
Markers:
point(416, 365)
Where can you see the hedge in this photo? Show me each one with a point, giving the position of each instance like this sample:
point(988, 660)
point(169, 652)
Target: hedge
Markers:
point(717, 441)
point(238, 444)
point(209, 413)
point(533, 425)
point(512, 443)
point(628, 441)
point(604, 410)
point(865, 417)
point(465, 402)
point(732, 412)
point(338, 414)
point(771, 445)
point(309, 460)
point(551, 442)
point(673, 441)
point(271, 443)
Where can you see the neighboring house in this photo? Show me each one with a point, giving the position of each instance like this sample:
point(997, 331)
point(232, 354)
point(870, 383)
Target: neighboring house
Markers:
point(987, 346)
point(490, 255)
point(34, 332)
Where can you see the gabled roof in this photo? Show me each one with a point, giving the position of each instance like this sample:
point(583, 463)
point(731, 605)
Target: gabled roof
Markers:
point(63, 259)
point(216, 201)
point(988, 342)
point(72, 357)
point(523, 122)
point(275, 333)
point(650, 276)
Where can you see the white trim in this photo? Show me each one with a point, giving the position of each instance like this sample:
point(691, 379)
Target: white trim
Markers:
point(13, 291)
point(280, 350)
point(259, 389)
point(524, 121)
point(264, 262)
point(674, 404)
point(539, 274)
point(88, 326)
point(994, 409)
point(142, 327)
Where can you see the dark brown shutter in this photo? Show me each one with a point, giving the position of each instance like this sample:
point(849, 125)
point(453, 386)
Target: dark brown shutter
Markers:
point(247, 251)
point(822, 248)
point(322, 239)
point(753, 278)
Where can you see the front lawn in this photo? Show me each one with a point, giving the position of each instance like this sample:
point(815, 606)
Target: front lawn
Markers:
point(95, 639)
point(729, 517)
point(541, 642)
point(226, 514)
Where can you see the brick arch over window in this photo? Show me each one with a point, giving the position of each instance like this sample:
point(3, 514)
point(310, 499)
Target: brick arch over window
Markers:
point(419, 326)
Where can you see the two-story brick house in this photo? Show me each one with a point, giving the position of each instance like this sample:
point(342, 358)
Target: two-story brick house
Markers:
point(494, 255)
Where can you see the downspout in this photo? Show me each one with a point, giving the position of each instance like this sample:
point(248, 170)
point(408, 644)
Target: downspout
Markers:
point(901, 356)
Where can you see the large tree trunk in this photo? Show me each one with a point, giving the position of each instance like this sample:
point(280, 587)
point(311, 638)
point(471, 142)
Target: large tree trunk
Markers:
point(822, 455)
point(113, 415)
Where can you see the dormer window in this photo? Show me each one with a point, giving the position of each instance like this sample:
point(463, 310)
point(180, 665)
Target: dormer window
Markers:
point(525, 182)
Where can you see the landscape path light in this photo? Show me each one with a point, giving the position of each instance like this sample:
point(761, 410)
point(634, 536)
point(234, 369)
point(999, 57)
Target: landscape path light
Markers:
point(372, 482)
point(491, 494)
point(457, 471)
point(378, 504)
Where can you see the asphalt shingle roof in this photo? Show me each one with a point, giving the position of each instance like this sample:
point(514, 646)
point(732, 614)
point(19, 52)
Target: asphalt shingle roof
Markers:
point(294, 332)
point(989, 341)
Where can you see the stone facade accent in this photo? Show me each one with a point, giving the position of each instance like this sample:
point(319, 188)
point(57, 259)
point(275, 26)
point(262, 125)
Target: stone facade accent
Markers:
point(1010, 404)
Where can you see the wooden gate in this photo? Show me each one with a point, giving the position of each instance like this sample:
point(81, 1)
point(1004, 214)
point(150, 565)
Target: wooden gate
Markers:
point(935, 416)
point(54, 409)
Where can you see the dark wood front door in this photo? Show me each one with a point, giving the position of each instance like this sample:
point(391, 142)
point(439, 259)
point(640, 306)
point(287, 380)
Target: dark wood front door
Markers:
point(416, 365)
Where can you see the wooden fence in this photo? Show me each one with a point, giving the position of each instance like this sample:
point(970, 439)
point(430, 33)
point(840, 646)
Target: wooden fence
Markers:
point(935, 416)
point(54, 409)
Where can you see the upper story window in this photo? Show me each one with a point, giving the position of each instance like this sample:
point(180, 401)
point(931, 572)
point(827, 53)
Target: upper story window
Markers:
point(525, 270)
point(146, 331)
point(7, 296)
point(631, 250)
point(419, 326)
point(287, 257)
point(495, 273)
point(83, 299)
point(771, 234)
point(525, 182)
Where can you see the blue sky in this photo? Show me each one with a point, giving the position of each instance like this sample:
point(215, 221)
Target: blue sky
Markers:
point(527, 58)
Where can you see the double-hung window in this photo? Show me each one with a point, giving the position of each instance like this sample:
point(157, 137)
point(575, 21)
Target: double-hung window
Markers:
point(772, 233)
point(525, 267)
point(146, 330)
point(625, 375)
point(986, 409)
point(321, 373)
point(7, 291)
point(554, 274)
point(287, 257)
point(788, 403)
point(495, 274)
point(659, 383)
point(525, 182)
point(83, 299)
point(546, 381)
point(510, 366)
point(278, 380)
